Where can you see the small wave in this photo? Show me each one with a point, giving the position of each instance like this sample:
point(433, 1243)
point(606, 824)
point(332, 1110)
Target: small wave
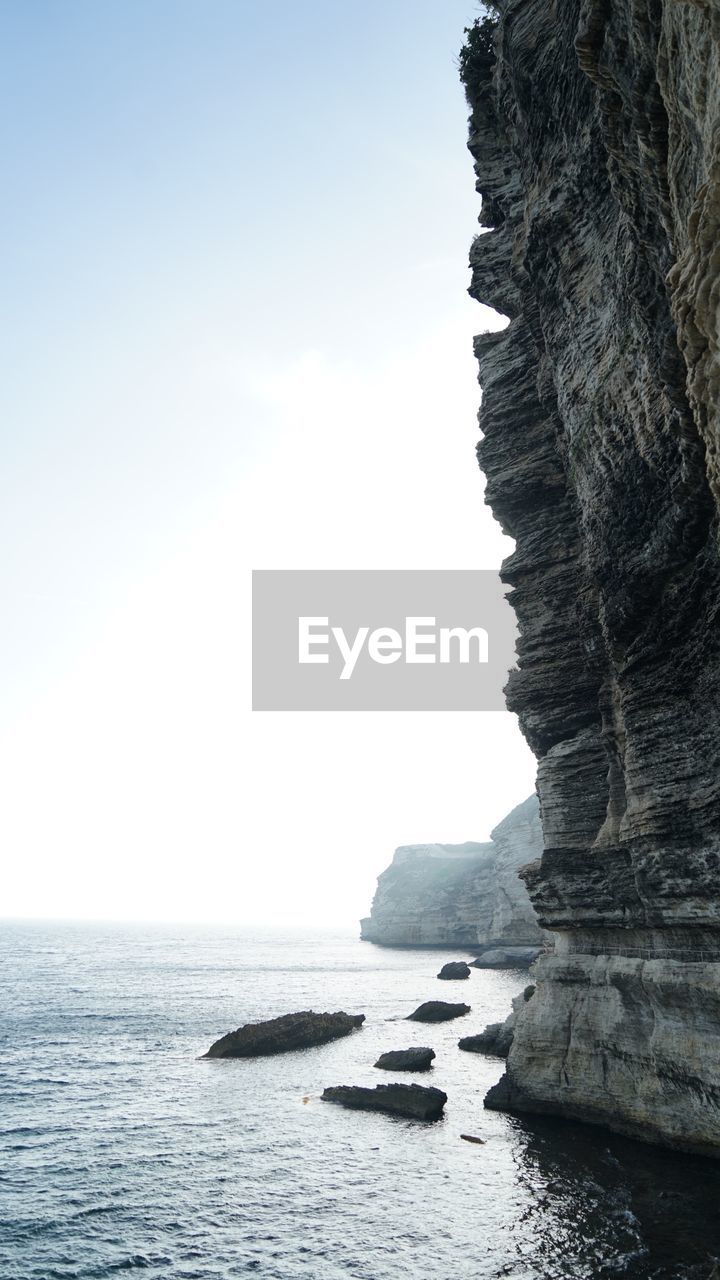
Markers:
point(94, 1211)
point(136, 1262)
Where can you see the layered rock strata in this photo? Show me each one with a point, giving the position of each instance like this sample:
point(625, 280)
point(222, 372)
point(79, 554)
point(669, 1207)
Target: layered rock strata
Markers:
point(507, 958)
point(461, 895)
point(595, 130)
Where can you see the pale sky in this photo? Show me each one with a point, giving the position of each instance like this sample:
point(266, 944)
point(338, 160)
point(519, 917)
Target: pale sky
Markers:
point(235, 336)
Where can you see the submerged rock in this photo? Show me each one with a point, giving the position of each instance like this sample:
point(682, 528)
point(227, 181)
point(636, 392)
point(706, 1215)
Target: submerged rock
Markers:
point(438, 1011)
point(412, 1100)
point(280, 1035)
point(406, 1060)
point(455, 969)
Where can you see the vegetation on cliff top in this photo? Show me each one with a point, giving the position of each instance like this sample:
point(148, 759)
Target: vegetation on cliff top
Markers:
point(477, 55)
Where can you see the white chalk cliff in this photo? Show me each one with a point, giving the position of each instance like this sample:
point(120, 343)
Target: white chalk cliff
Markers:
point(466, 895)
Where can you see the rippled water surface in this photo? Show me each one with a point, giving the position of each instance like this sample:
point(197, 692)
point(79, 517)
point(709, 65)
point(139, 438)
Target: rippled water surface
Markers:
point(123, 1152)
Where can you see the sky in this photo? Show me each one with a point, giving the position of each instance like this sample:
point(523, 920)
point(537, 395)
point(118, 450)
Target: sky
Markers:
point(236, 336)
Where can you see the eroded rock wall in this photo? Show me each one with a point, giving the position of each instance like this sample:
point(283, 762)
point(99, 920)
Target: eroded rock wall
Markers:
point(595, 130)
point(467, 895)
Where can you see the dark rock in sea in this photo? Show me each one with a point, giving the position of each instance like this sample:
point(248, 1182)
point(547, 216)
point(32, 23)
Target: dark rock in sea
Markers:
point(498, 1096)
point(406, 1060)
point(414, 1101)
point(438, 1011)
point(455, 969)
point(495, 1040)
point(279, 1035)
point(507, 958)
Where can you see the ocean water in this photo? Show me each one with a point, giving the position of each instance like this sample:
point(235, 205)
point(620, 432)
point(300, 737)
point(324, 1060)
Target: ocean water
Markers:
point(123, 1152)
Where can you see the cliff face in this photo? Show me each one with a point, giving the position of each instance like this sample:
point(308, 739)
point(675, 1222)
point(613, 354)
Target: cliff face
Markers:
point(467, 895)
point(595, 130)
point(517, 842)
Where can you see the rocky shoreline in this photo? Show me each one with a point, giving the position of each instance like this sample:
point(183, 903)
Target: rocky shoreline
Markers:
point(308, 1030)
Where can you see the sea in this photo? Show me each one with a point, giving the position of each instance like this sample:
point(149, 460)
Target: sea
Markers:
point(123, 1151)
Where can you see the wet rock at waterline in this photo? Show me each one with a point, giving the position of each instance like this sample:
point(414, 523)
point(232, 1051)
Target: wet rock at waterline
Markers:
point(406, 1060)
point(280, 1035)
point(454, 970)
point(496, 1040)
point(438, 1011)
point(414, 1101)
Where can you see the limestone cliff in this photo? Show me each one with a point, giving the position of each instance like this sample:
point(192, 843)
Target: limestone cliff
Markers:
point(467, 895)
point(595, 130)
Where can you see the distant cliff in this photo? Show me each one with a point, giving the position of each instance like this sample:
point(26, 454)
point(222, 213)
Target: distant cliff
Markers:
point(595, 129)
point(467, 895)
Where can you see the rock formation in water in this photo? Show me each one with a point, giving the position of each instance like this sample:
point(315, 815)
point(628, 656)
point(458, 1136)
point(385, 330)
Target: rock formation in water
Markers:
point(438, 1011)
point(419, 1059)
point(280, 1035)
point(462, 894)
point(595, 130)
point(414, 1101)
point(496, 1040)
point(454, 971)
